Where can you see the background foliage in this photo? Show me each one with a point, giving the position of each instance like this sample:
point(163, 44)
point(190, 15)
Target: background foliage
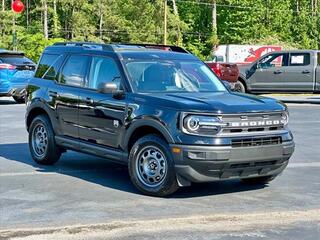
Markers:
point(290, 23)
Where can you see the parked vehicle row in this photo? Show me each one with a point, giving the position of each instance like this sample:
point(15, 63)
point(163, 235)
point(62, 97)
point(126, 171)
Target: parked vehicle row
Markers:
point(15, 70)
point(275, 71)
point(157, 109)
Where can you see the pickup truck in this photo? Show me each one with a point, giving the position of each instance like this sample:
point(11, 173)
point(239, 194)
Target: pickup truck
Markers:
point(228, 72)
point(283, 71)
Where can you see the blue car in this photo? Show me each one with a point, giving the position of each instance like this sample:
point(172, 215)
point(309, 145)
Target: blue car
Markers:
point(15, 70)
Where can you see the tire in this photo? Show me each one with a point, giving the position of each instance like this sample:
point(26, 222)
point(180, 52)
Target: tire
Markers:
point(151, 166)
point(42, 144)
point(19, 99)
point(258, 180)
point(239, 87)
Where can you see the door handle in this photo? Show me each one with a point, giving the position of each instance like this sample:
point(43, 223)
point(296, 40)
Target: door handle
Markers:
point(277, 72)
point(89, 100)
point(53, 94)
point(305, 71)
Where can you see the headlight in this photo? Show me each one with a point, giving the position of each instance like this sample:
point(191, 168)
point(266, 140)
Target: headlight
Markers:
point(201, 125)
point(285, 118)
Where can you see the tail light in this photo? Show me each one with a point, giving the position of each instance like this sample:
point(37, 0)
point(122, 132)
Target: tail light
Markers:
point(217, 70)
point(7, 66)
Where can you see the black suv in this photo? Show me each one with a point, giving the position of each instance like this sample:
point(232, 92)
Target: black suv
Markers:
point(157, 109)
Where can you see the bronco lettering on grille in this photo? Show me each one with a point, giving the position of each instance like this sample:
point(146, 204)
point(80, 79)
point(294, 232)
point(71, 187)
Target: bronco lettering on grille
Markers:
point(257, 123)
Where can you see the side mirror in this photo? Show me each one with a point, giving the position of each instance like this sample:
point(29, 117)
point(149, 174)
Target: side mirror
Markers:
point(110, 88)
point(217, 58)
point(258, 66)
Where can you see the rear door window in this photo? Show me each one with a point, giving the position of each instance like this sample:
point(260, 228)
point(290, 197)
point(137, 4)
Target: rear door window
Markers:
point(74, 70)
point(299, 59)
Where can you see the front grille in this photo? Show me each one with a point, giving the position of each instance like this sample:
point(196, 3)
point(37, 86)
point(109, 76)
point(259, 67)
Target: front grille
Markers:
point(253, 142)
point(244, 124)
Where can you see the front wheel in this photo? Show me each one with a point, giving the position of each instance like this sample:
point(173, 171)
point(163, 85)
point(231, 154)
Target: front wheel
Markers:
point(151, 166)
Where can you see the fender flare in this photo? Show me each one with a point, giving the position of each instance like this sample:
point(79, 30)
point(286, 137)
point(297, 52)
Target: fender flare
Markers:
point(146, 123)
point(38, 104)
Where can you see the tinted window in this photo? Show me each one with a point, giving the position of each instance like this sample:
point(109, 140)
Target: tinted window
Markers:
point(274, 60)
point(74, 70)
point(299, 59)
point(318, 54)
point(47, 67)
point(103, 70)
point(15, 59)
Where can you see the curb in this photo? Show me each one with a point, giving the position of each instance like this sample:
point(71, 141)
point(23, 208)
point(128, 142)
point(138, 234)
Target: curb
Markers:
point(300, 101)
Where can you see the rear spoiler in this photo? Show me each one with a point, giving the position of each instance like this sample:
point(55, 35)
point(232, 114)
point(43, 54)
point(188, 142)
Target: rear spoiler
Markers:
point(5, 52)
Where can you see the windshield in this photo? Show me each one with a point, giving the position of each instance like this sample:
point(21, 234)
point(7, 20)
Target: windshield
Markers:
point(172, 76)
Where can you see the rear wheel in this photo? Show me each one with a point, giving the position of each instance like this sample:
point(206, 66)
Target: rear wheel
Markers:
point(239, 87)
point(151, 166)
point(42, 144)
point(258, 180)
point(20, 99)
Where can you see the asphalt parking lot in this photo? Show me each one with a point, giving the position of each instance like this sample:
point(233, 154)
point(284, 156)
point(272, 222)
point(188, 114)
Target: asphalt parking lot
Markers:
point(85, 197)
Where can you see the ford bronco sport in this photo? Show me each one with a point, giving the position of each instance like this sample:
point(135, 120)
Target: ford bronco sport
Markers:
point(157, 109)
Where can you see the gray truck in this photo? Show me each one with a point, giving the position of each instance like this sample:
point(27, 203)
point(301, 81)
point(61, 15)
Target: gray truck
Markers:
point(282, 71)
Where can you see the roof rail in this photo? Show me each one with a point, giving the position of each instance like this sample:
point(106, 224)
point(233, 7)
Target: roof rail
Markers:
point(90, 45)
point(155, 46)
point(118, 46)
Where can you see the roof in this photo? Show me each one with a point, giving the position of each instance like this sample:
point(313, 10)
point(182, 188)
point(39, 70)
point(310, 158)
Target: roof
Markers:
point(295, 51)
point(124, 50)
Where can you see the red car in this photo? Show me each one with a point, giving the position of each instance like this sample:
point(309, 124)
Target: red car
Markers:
point(228, 72)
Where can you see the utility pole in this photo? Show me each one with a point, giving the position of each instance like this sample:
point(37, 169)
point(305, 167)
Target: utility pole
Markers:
point(45, 19)
point(100, 25)
point(314, 7)
point(165, 23)
point(214, 16)
point(14, 32)
point(55, 18)
point(175, 11)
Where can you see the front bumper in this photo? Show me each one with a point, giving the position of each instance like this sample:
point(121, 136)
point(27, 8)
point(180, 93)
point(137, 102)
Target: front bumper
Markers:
point(212, 163)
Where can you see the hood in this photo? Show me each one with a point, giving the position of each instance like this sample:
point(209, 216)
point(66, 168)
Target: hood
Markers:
point(220, 102)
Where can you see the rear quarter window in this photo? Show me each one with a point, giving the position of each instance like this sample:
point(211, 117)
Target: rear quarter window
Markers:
point(48, 66)
point(299, 59)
